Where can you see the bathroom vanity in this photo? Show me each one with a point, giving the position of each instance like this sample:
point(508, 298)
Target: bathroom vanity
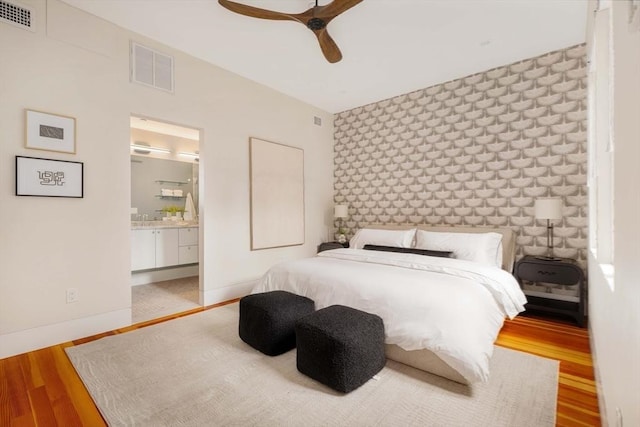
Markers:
point(159, 244)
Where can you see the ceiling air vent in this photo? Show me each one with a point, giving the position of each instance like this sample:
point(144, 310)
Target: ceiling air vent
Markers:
point(151, 68)
point(17, 15)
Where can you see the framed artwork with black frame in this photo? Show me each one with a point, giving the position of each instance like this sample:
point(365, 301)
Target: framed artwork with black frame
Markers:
point(49, 178)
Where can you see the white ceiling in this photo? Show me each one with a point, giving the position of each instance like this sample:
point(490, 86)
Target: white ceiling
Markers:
point(389, 47)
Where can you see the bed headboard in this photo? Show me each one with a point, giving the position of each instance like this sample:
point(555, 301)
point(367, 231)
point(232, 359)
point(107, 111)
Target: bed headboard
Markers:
point(508, 237)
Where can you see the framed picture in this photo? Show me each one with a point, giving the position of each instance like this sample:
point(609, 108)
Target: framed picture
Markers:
point(50, 132)
point(277, 195)
point(49, 178)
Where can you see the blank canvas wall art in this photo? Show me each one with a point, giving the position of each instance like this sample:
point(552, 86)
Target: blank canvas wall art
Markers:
point(277, 194)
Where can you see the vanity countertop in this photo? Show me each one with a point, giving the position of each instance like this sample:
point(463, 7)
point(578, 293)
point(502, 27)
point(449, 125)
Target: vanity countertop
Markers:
point(147, 225)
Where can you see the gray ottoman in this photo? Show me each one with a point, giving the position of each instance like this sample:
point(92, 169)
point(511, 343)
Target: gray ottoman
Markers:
point(267, 320)
point(340, 347)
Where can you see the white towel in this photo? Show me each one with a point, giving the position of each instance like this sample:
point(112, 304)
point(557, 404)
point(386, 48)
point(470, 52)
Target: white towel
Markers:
point(177, 193)
point(189, 209)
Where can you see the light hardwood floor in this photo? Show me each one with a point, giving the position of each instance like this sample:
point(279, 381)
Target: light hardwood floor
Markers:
point(41, 388)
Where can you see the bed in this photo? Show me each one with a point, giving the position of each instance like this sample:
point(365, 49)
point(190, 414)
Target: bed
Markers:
point(442, 292)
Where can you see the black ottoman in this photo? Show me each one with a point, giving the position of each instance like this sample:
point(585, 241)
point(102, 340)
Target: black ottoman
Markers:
point(267, 320)
point(340, 347)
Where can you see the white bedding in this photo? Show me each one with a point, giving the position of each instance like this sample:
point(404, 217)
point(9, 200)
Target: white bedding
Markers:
point(451, 307)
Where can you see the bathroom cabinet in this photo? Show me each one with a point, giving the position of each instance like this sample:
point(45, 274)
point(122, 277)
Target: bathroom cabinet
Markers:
point(163, 247)
point(143, 249)
point(188, 245)
point(166, 247)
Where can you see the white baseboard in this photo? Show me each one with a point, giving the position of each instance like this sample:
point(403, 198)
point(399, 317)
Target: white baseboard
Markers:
point(20, 342)
point(215, 296)
point(15, 343)
point(151, 276)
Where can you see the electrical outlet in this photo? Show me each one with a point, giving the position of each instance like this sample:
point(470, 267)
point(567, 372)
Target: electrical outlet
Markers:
point(72, 295)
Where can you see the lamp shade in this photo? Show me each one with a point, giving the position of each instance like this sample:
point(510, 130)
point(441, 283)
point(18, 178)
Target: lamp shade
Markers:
point(549, 208)
point(341, 211)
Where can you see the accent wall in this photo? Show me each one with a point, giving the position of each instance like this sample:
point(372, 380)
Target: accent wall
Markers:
point(475, 151)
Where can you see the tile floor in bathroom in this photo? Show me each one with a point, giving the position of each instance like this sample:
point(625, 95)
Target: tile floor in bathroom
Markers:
point(163, 298)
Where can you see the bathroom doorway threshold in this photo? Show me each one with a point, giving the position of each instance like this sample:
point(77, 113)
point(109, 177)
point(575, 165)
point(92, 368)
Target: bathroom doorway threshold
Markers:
point(160, 299)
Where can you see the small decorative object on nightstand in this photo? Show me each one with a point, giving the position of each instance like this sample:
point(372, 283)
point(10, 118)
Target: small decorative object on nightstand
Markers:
point(559, 271)
point(332, 245)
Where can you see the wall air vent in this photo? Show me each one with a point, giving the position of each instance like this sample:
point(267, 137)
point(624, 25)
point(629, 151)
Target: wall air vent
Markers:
point(151, 68)
point(17, 15)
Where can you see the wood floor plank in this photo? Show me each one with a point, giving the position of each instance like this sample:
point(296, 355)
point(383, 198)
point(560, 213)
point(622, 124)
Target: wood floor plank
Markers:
point(577, 382)
point(18, 401)
point(5, 396)
point(42, 387)
point(41, 405)
point(23, 421)
point(81, 409)
point(59, 400)
point(571, 416)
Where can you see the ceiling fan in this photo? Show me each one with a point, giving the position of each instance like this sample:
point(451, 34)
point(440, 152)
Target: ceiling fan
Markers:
point(316, 19)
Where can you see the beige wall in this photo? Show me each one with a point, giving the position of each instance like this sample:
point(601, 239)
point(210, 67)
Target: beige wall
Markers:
point(77, 65)
point(615, 313)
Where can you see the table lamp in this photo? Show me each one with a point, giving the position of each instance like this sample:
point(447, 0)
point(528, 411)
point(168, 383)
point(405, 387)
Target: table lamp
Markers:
point(341, 212)
point(549, 209)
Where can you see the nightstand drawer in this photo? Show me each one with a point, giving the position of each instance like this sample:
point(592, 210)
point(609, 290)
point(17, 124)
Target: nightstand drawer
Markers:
point(549, 273)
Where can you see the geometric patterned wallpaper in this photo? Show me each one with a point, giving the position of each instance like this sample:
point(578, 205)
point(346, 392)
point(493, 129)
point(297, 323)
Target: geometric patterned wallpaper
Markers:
point(474, 151)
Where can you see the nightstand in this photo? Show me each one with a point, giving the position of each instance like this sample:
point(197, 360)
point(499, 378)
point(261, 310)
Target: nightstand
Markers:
point(560, 272)
point(332, 245)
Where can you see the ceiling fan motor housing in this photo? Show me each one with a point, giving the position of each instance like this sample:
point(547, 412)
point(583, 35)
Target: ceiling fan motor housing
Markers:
point(316, 24)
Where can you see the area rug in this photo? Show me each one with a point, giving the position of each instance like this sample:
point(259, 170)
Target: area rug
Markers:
point(195, 371)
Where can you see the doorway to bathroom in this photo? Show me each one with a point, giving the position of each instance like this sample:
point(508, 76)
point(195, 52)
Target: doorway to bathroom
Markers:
point(165, 222)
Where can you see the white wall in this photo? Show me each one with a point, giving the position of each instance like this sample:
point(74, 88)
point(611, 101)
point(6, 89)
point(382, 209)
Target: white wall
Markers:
point(77, 65)
point(614, 315)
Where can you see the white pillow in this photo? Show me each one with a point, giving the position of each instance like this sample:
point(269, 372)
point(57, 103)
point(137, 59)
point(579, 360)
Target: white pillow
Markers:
point(485, 248)
point(372, 236)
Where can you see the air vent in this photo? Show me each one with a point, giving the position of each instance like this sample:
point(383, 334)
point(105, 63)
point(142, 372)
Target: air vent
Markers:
point(151, 68)
point(17, 15)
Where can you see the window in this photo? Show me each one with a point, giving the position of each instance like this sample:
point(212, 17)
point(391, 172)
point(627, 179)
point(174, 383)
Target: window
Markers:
point(601, 143)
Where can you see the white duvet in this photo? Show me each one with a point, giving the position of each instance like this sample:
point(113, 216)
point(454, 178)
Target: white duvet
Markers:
point(451, 307)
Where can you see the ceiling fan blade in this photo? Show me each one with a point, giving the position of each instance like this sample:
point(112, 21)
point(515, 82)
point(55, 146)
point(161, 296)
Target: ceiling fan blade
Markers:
point(256, 12)
point(335, 8)
point(316, 19)
point(329, 47)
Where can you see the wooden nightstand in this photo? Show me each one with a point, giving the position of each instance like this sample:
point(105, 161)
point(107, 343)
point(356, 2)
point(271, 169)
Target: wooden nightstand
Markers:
point(332, 245)
point(561, 272)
